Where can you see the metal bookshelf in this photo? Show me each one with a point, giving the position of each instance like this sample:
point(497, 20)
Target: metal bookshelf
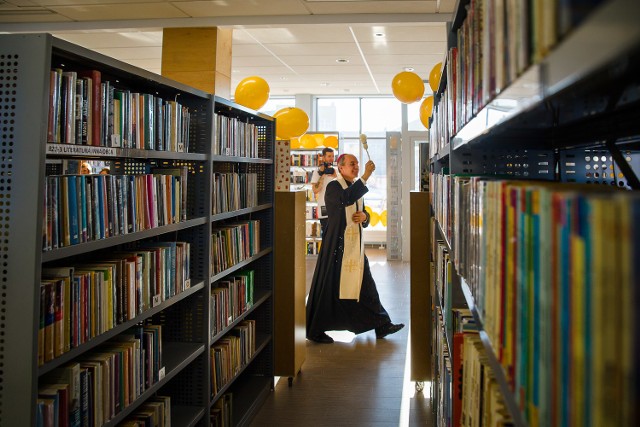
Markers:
point(25, 64)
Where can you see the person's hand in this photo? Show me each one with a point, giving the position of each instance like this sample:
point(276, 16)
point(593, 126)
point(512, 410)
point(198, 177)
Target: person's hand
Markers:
point(359, 217)
point(369, 167)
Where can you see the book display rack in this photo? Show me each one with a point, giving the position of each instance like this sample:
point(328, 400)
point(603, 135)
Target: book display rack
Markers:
point(534, 163)
point(146, 293)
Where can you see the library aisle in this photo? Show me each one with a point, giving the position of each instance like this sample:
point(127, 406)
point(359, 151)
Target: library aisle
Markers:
point(358, 380)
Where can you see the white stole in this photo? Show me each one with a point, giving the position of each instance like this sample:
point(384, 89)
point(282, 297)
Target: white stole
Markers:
point(352, 267)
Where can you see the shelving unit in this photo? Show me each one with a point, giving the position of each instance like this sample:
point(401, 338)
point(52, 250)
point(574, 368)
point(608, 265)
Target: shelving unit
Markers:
point(301, 180)
point(565, 118)
point(25, 62)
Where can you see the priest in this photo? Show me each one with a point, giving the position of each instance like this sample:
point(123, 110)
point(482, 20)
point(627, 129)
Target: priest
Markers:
point(343, 294)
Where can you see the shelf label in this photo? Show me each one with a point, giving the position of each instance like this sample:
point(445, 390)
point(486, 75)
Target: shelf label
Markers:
point(187, 284)
point(157, 300)
point(85, 150)
point(161, 373)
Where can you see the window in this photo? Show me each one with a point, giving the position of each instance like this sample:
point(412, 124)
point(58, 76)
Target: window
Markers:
point(374, 117)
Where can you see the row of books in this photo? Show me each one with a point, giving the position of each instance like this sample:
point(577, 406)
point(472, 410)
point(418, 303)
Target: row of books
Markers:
point(313, 247)
point(85, 110)
point(299, 159)
point(221, 413)
point(234, 191)
point(156, 412)
point(555, 290)
point(301, 176)
point(442, 372)
point(232, 352)
point(481, 403)
point(103, 382)
point(313, 229)
point(312, 212)
point(80, 302)
point(229, 299)
point(495, 44)
point(235, 138)
point(83, 208)
point(233, 243)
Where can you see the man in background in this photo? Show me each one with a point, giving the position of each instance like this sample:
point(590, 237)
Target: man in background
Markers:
point(319, 181)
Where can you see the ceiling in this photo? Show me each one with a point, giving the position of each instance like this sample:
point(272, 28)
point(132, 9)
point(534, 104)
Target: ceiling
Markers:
point(318, 47)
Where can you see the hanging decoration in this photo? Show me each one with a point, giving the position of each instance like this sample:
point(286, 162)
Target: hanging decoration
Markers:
point(291, 122)
point(407, 87)
point(252, 92)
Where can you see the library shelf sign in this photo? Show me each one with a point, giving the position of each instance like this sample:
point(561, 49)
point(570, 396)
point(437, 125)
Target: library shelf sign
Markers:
point(85, 150)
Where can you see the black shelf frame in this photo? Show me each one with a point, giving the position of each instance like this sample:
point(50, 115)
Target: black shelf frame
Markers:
point(262, 297)
point(81, 248)
point(260, 346)
point(239, 265)
point(187, 416)
point(102, 338)
point(233, 214)
point(177, 357)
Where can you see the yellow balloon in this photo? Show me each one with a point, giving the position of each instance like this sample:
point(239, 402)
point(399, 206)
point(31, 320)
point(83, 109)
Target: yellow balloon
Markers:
point(426, 110)
point(368, 209)
point(331, 142)
point(383, 217)
point(319, 139)
point(291, 122)
point(434, 76)
point(307, 141)
point(374, 218)
point(295, 143)
point(252, 92)
point(407, 87)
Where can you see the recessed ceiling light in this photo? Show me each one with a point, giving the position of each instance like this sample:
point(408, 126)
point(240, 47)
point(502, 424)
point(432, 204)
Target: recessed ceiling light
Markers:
point(342, 60)
point(409, 68)
point(283, 78)
point(347, 90)
point(379, 34)
point(324, 84)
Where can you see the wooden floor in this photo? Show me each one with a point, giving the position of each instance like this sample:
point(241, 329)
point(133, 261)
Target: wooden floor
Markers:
point(358, 380)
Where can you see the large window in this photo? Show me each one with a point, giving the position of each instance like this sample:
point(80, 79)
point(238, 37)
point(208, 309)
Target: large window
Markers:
point(373, 117)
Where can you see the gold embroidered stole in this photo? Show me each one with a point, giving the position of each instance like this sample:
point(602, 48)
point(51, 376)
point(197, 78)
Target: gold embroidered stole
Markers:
point(352, 267)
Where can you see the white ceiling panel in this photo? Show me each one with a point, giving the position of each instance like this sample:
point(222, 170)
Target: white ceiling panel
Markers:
point(434, 31)
point(123, 11)
point(242, 7)
point(293, 44)
point(402, 48)
point(113, 39)
point(377, 7)
point(336, 49)
point(125, 53)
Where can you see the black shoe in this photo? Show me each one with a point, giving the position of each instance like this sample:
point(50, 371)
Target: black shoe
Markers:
point(322, 338)
point(388, 329)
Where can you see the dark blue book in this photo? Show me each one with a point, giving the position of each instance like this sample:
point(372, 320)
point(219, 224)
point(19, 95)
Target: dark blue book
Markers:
point(99, 188)
point(72, 210)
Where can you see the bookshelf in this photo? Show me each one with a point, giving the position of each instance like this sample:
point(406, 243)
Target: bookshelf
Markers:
point(304, 160)
point(533, 150)
point(171, 303)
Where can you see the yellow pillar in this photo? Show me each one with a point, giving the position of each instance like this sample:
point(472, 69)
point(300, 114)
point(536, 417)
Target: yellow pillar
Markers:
point(198, 57)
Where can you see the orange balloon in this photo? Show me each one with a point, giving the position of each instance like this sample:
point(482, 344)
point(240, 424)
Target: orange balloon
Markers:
point(294, 143)
point(434, 76)
point(374, 218)
point(291, 122)
point(383, 217)
point(319, 139)
point(426, 110)
point(407, 87)
point(331, 142)
point(252, 92)
point(307, 141)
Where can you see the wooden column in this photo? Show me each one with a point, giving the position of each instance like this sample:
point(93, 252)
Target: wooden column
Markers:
point(421, 284)
point(198, 57)
point(290, 284)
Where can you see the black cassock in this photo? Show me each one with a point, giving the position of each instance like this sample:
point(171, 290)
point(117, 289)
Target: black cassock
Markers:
point(325, 310)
